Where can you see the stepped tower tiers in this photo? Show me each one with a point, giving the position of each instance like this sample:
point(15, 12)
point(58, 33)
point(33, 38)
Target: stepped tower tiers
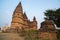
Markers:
point(48, 30)
point(17, 19)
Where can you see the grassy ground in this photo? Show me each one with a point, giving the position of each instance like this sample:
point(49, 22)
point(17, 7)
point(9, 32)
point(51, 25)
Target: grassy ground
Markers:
point(10, 36)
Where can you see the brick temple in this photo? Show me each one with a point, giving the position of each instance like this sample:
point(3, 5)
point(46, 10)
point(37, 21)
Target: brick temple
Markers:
point(48, 30)
point(20, 21)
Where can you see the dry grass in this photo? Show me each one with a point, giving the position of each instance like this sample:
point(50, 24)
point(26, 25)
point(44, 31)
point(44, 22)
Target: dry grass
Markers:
point(10, 36)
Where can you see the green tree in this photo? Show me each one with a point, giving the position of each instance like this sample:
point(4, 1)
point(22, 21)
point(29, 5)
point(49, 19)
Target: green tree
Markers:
point(53, 15)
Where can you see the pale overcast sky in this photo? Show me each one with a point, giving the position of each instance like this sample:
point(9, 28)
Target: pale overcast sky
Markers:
point(31, 7)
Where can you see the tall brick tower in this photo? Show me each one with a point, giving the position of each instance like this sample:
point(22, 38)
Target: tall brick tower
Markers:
point(25, 20)
point(34, 23)
point(17, 19)
point(20, 20)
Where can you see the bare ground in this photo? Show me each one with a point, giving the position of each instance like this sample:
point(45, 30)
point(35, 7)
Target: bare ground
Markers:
point(10, 36)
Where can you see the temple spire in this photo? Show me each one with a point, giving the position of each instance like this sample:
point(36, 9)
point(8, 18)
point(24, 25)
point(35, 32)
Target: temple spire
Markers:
point(20, 4)
point(34, 19)
point(18, 12)
point(19, 8)
point(25, 16)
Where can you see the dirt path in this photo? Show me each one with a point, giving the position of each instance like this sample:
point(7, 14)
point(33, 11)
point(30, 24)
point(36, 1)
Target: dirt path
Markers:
point(10, 36)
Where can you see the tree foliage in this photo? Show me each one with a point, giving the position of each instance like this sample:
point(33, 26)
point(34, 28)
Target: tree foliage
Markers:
point(53, 15)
